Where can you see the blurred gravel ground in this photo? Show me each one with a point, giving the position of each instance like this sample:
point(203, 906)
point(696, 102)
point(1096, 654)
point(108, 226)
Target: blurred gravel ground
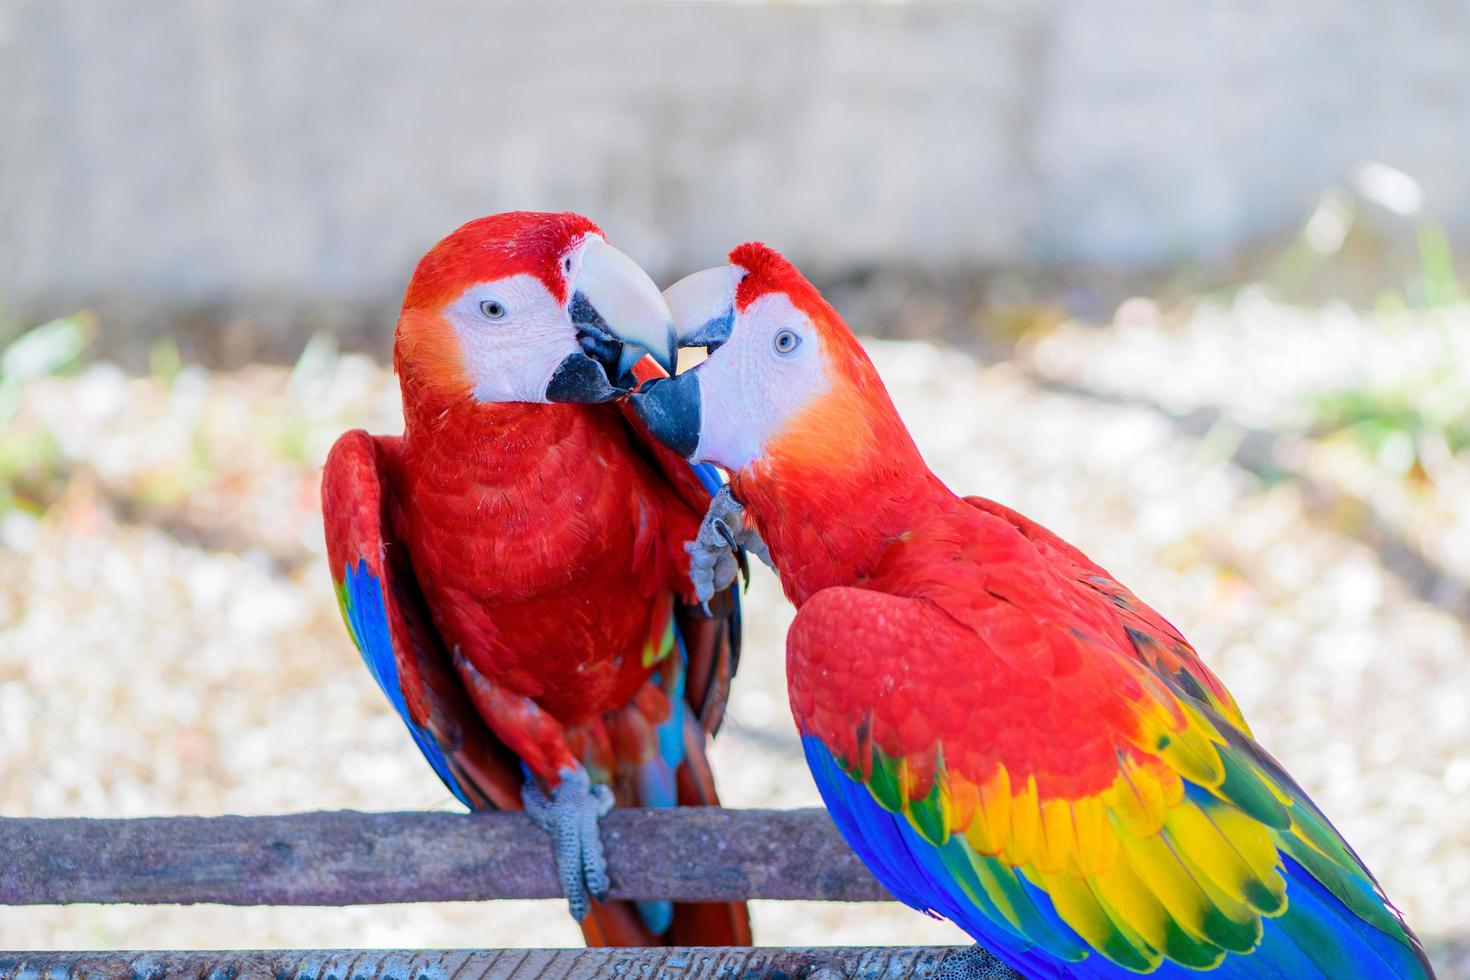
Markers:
point(1374, 405)
point(169, 643)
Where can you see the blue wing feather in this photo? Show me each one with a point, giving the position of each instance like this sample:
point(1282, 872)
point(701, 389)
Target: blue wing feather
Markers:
point(367, 618)
point(365, 608)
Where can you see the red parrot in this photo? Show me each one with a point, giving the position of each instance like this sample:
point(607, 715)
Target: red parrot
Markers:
point(513, 567)
point(1007, 736)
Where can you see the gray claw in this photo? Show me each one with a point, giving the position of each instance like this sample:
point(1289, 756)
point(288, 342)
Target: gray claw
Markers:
point(724, 532)
point(715, 556)
point(570, 816)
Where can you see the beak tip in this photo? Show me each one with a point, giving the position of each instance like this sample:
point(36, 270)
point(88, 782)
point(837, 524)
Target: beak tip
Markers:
point(669, 408)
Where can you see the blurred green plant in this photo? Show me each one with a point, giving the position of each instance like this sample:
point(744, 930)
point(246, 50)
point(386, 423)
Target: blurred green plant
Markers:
point(292, 423)
point(30, 459)
point(1339, 254)
point(1440, 285)
point(1421, 415)
point(1379, 419)
point(164, 362)
point(51, 349)
point(1407, 422)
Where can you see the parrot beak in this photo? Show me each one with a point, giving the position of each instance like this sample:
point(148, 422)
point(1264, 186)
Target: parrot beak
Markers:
point(669, 407)
point(703, 306)
point(619, 313)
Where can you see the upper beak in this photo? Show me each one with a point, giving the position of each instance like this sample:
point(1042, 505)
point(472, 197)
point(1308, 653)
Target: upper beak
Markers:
point(614, 301)
point(703, 306)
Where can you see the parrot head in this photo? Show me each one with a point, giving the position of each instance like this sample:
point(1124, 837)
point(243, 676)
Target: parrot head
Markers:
point(786, 385)
point(529, 307)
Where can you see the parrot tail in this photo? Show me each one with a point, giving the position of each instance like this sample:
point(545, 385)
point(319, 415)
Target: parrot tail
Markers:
point(693, 924)
point(616, 924)
point(704, 923)
point(687, 923)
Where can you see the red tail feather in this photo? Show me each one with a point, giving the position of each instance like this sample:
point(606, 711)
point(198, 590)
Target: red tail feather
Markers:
point(695, 923)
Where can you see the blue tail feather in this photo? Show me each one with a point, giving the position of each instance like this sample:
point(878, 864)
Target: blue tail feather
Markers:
point(655, 777)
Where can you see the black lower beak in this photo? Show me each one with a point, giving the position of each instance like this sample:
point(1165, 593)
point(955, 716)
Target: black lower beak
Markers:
point(579, 378)
point(596, 338)
point(669, 407)
point(608, 353)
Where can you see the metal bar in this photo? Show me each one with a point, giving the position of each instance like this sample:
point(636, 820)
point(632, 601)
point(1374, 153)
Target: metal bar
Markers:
point(688, 854)
point(659, 963)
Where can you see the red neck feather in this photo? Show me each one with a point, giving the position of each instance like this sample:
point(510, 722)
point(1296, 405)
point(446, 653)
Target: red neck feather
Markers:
point(842, 482)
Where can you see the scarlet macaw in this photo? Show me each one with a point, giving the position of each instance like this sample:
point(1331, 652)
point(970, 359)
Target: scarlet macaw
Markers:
point(1007, 736)
point(513, 567)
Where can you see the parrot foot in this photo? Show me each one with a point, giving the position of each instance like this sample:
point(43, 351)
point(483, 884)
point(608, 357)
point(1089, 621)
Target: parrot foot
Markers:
point(975, 963)
point(715, 554)
point(570, 816)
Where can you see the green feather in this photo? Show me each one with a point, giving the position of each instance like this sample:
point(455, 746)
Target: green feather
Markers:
point(340, 589)
point(1248, 791)
point(1225, 932)
point(883, 783)
point(1354, 892)
point(1185, 950)
point(1000, 896)
point(1007, 890)
point(927, 816)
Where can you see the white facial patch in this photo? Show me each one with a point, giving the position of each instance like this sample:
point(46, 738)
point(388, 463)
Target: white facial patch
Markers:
point(764, 375)
point(510, 357)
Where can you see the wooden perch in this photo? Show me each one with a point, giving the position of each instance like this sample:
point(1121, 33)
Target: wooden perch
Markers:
point(689, 854)
point(662, 963)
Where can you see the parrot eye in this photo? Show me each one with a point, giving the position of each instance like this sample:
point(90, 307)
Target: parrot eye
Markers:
point(566, 265)
point(493, 309)
point(786, 341)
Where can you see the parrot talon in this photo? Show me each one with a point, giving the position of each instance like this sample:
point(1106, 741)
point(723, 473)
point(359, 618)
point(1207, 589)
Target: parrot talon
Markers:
point(570, 815)
point(743, 564)
point(724, 531)
point(975, 963)
point(718, 552)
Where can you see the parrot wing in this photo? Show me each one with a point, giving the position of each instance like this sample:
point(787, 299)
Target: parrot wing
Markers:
point(711, 642)
point(1156, 643)
point(385, 613)
point(388, 618)
point(1044, 786)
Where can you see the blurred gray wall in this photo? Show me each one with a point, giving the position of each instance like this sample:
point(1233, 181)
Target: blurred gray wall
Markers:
point(300, 154)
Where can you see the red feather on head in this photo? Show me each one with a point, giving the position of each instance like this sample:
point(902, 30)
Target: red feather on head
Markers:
point(848, 434)
point(767, 271)
point(426, 353)
point(494, 247)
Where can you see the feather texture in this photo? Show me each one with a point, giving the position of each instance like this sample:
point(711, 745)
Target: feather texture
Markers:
point(635, 742)
point(1075, 796)
point(1009, 737)
point(515, 578)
